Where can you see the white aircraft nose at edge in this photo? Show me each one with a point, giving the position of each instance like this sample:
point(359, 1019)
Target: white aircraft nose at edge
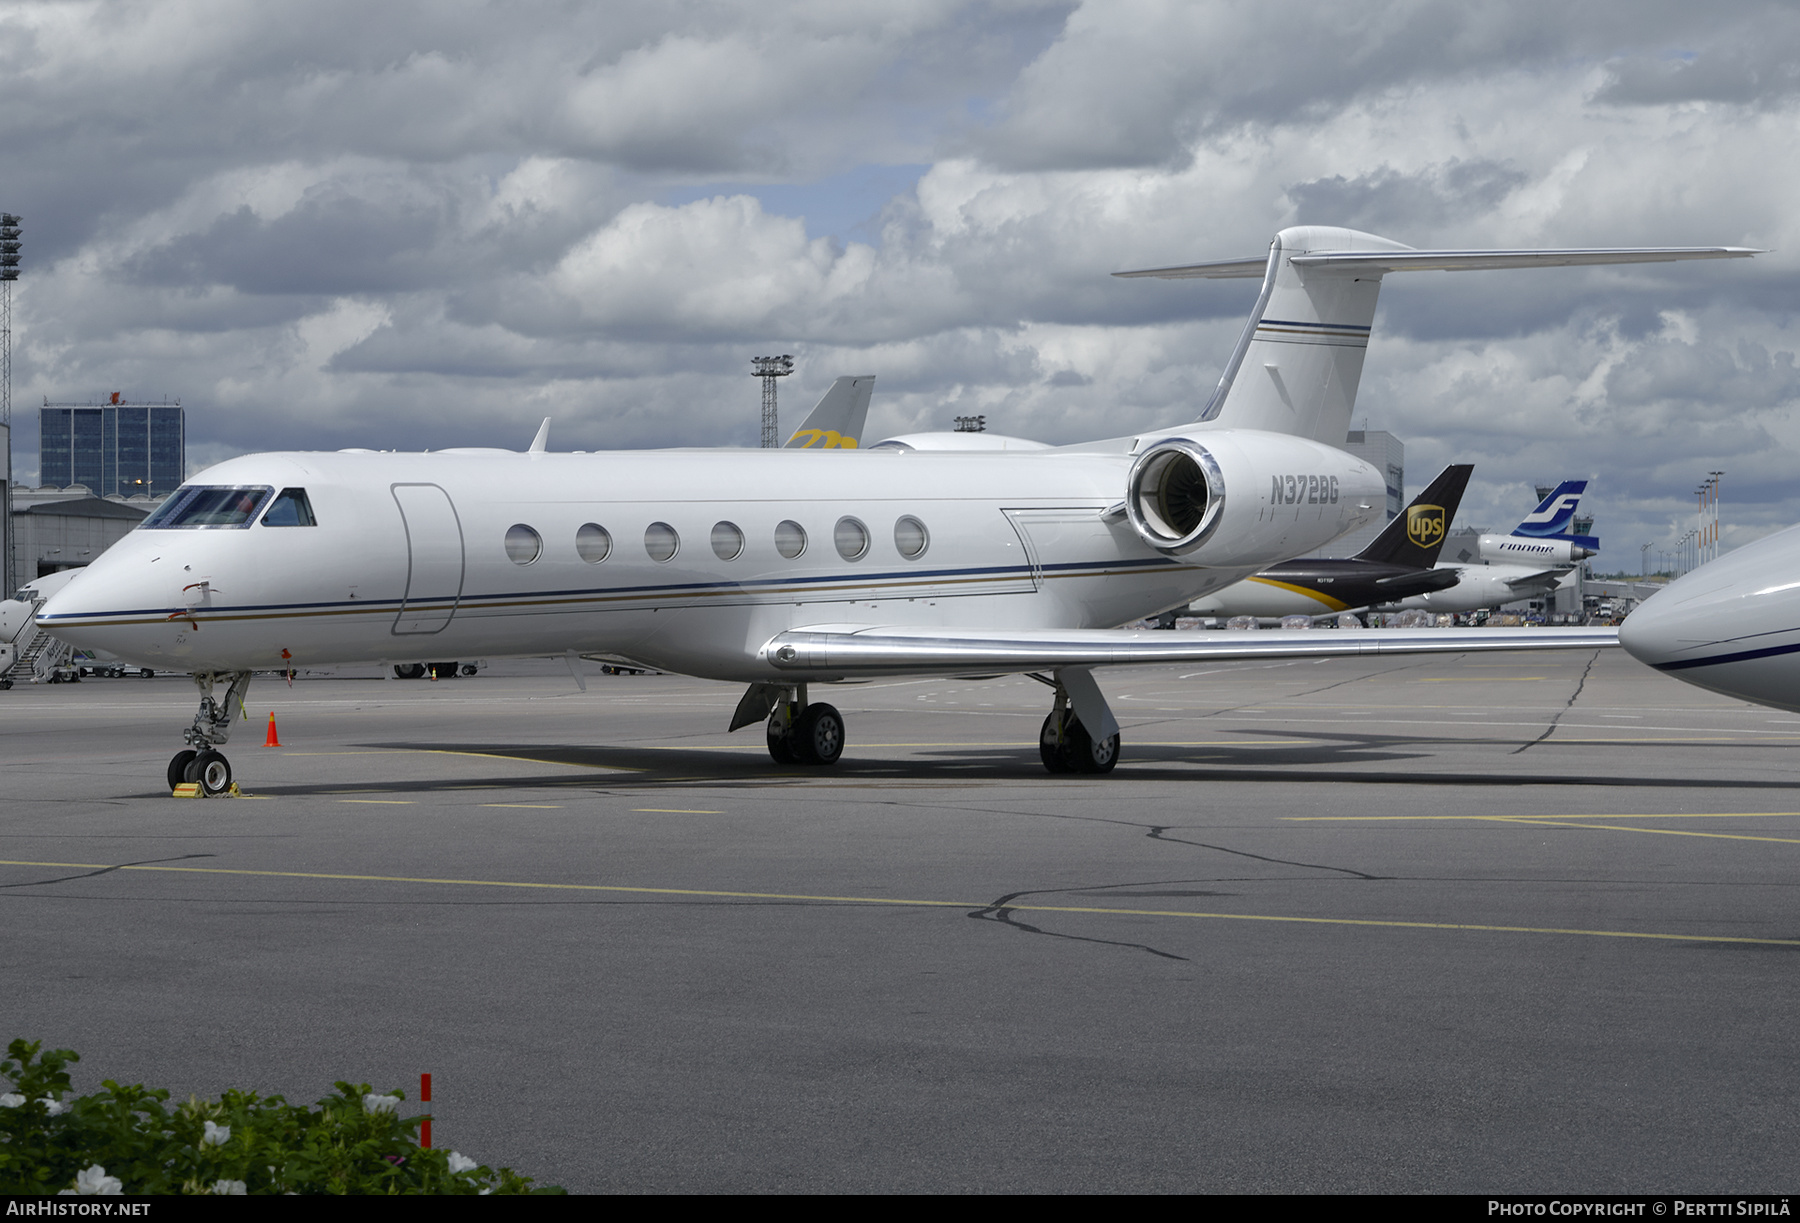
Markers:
point(779, 569)
point(1731, 626)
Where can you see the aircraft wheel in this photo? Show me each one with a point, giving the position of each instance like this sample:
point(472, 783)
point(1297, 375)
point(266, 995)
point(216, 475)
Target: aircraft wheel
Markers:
point(1086, 755)
point(1050, 751)
point(468, 668)
point(212, 771)
point(411, 670)
point(781, 742)
point(178, 767)
point(819, 735)
point(5, 684)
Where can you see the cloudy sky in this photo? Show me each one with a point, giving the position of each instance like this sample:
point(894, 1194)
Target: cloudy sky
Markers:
point(425, 225)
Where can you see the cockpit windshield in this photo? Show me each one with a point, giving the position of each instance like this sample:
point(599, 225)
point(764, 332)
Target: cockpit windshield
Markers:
point(201, 505)
point(291, 509)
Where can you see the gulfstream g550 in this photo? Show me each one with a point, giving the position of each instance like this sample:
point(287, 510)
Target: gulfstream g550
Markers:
point(781, 569)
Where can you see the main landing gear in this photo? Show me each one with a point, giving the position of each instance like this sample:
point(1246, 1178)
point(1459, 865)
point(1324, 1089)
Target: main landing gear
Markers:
point(202, 761)
point(1065, 744)
point(805, 734)
point(799, 733)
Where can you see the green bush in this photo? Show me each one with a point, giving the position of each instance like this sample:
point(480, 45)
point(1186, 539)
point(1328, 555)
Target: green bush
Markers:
point(129, 1140)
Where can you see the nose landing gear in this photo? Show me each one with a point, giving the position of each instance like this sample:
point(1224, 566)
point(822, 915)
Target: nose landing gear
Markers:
point(201, 762)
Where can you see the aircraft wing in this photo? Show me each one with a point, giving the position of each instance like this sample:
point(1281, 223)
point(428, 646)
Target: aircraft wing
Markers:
point(940, 651)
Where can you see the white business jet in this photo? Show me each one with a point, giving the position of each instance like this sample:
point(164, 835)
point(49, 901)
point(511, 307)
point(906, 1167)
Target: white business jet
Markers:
point(780, 569)
point(1732, 625)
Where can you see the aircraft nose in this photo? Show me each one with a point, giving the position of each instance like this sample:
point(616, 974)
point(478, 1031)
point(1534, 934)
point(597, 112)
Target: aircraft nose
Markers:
point(1652, 634)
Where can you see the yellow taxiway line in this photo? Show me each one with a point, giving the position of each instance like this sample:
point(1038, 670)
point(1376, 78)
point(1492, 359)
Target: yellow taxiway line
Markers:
point(903, 902)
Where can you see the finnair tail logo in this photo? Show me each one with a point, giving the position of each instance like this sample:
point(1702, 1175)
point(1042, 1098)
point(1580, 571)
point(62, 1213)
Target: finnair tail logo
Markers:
point(1553, 515)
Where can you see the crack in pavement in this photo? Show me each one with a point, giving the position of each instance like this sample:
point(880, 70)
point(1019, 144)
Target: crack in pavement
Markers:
point(1156, 831)
point(999, 912)
point(105, 870)
point(1567, 705)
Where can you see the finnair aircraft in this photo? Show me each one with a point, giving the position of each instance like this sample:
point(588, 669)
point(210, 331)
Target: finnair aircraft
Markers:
point(781, 570)
point(1731, 626)
point(1530, 563)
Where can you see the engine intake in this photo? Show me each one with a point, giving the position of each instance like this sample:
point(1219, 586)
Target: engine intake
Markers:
point(1175, 496)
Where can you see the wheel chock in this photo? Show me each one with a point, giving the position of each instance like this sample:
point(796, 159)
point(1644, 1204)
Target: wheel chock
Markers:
point(187, 789)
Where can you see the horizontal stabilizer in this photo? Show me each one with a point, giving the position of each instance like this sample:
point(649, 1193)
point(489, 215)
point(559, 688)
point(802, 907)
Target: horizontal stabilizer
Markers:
point(1380, 262)
point(1364, 262)
point(1223, 269)
point(926, 651)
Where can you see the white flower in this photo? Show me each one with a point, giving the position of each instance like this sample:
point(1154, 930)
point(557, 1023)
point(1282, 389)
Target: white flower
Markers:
point(11, 1099)
point(462, 1163)
point(378, 1105)
point(95, 1180)
point(224, 1188)
point(53, 1108)
point(216, 1135)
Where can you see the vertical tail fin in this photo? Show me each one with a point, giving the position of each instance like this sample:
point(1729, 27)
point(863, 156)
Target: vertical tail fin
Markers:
point(1554, 513)
point(836, 421)
point(1416, 536)
point(1296, 367)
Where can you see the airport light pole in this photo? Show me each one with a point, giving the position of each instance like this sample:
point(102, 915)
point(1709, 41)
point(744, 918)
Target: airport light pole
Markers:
point(9, 272)
point(769, 369)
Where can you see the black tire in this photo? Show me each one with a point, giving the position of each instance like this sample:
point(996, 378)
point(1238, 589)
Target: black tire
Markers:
point(1085, 754)
point(178, 767)
point(468, 668)
point(781, 742)
point(410, 670)
point(212, 771)
point(443, 670)
point(819, 735)
point(1052, 750)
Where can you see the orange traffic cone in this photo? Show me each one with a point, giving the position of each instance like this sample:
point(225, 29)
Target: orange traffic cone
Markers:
point(271, 741)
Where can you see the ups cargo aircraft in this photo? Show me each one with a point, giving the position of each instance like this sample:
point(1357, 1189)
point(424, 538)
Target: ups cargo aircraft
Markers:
point(1397, 563)
point(780, 569)
point(1731, 626)
point(1527, 564)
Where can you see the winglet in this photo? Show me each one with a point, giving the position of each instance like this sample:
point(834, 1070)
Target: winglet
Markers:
point(542, 440)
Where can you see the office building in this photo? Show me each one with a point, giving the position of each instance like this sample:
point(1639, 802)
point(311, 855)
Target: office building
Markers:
point(115, 449)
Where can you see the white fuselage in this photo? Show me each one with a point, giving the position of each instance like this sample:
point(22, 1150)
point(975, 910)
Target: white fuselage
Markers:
point(1732, 625)
point(1485, 586)
point(409, 558)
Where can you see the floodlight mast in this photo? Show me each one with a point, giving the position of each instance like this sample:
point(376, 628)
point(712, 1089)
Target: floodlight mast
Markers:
point(769, 369)
point(9, 272)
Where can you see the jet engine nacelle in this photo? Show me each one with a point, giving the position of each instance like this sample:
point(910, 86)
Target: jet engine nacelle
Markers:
point(1545, 550)
point(1229, 496)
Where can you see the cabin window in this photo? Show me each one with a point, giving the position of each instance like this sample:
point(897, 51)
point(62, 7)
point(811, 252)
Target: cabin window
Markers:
point(790, 539)
point(523, 545)
point(291, 509)
point(851, 538)
point(203, 506)
point(661, 541)
point(727, 540)
point(593, 543)
point(911, 538)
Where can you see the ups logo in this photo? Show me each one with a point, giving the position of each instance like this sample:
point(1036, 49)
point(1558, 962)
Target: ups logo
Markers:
point(1425, 524)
